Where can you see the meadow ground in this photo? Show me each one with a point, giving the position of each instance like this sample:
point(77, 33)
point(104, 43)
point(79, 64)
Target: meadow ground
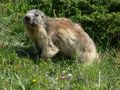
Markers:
point(20, 69)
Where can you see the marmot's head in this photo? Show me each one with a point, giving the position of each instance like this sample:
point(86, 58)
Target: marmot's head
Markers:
point(34, 17)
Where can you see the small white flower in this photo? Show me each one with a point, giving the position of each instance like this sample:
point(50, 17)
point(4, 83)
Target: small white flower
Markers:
point(69, 75)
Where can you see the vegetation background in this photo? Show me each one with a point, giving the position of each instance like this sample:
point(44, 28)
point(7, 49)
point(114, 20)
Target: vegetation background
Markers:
point(19, 67)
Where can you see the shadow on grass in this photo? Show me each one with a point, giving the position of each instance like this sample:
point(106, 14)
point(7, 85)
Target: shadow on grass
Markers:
point(28, 52)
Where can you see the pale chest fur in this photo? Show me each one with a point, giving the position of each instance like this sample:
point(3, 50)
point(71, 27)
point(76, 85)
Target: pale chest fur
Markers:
point(40, 37)
point(37, 35)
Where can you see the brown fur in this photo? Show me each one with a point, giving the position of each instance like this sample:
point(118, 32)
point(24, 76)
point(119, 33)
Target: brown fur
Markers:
point(55, 35)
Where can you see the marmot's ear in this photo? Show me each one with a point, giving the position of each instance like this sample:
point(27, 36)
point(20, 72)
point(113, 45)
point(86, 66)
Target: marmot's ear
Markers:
point(43, 16)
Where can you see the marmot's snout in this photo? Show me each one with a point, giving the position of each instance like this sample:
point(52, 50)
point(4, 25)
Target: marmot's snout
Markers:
point(31, 20)
point(27, 19)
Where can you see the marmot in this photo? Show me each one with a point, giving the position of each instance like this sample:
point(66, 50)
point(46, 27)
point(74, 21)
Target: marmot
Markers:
point(53, 35)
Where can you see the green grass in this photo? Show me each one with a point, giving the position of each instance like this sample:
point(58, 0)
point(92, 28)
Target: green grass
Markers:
point(21, 70)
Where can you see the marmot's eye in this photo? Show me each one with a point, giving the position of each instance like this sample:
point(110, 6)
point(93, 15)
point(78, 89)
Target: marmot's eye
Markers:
point(36, 14)
point(42, 16)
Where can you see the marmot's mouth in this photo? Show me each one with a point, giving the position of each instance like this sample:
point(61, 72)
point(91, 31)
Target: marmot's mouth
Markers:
point(30, 24)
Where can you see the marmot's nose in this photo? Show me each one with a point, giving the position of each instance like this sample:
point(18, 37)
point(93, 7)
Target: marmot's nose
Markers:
point(27, 18)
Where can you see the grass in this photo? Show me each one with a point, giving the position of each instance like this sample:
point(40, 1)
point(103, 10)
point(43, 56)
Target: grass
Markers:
point(21, 70)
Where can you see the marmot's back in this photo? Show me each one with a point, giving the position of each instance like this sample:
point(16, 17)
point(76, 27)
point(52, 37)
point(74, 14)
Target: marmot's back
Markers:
point(66, 27)
point(60, 23)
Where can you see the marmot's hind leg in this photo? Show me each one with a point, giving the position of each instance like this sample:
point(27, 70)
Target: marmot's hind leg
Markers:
point(88, 57)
